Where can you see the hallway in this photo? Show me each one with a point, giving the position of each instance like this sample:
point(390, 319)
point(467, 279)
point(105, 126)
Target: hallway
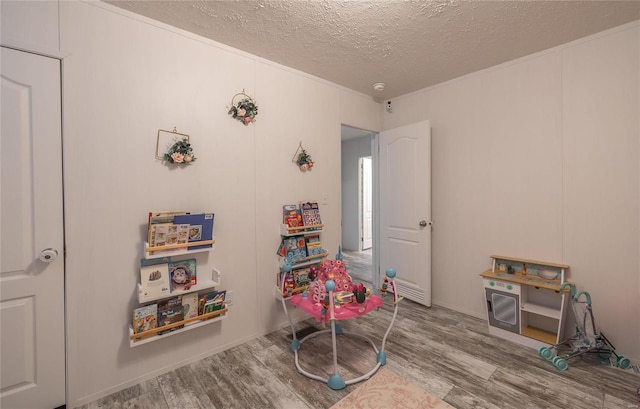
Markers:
point(359, 264)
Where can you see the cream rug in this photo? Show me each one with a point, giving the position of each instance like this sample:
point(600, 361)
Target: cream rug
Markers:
point(386, 390)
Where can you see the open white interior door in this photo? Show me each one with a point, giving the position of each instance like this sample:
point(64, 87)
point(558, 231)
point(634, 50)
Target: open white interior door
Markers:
point(405, 208)
point(366, 203)
point(32, 261)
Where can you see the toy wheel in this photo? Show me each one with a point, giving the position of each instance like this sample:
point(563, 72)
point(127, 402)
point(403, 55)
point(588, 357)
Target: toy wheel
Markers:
point(623, 362)
point(545, 353)
point(560, 363)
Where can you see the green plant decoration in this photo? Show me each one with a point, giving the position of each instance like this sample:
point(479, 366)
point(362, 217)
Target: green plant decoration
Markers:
point(244, 110)
point(180, 152)
point(304, 160)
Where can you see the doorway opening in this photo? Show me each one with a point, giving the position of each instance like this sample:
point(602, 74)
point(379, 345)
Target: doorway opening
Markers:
point(358, 209)
point(365, 210)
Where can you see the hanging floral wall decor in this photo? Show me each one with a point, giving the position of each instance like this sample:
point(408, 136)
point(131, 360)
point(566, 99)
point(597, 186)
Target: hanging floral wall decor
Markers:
point(178, 151)
point(303, 159)
point(245, 110)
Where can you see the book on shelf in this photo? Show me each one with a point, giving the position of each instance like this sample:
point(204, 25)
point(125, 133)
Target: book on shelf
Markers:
point(167, 235)
point(301, 277)
point(289, 285)
point(163, 217)
point(310, 213)
point(291, 215)
point(211, 301)
point(154, 279)
point(189, 305)
point(170, 311)
point(295, 248)
point(313, 244)
point(200, 228)
point(183, 274)
point(145, 318)
point(214, 302)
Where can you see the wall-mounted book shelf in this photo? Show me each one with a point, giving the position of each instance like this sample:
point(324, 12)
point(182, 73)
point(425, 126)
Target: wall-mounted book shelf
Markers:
point(188, 324)
point(309, 260)
point(296, 231)
point(175, 293)
point(211, 282)
point(177, 249)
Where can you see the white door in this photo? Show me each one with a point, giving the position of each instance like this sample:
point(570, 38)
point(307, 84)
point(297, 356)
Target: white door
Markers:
point(405, 208)
point(366, 203)
point(31, 277)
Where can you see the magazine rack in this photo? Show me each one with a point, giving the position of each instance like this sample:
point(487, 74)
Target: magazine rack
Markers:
point(330, 299)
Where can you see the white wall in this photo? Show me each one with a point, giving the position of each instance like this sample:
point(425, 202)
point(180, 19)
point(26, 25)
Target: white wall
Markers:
point(31, 25)
point(538, 158)
point(125, 77)
point(517, 154)
point(352, 151)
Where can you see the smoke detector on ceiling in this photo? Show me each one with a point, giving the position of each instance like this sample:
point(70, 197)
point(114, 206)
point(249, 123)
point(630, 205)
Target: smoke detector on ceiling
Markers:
point(378, 86)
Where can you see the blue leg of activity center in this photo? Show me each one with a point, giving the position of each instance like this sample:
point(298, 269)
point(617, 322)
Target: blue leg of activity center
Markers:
point(382, 358)
point(336, 382)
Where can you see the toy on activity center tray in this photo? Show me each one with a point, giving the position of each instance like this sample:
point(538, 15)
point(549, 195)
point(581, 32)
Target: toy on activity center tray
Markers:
point(361, 292)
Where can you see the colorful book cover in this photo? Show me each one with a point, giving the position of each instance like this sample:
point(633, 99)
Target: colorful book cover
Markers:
point(310, 213)
point(170, 311)
point(189, 305)
point(202, 298)
point(291, 215)
point(208, 298)
point(314, 245)
point(158, 234)
point(154, 280)
point(214, 301)
point(178, 233)
point(301, 277)
point(145, 318)
point(183, 274)
point(167, 235)
point(163, 217)
point(200, 227)
point(295, 248)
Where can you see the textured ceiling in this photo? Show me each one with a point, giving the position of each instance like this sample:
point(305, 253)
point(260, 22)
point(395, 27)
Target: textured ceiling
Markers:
point(408, 45)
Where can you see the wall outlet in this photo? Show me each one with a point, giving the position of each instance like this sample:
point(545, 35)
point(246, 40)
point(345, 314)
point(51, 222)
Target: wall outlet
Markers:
point(323, 198)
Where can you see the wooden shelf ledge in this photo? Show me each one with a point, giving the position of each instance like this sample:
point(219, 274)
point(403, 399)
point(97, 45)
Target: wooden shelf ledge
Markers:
point(540, 335)
point(152, 332)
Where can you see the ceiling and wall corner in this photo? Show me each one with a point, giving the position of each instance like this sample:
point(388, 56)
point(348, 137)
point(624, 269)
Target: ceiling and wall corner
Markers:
point(408, 45)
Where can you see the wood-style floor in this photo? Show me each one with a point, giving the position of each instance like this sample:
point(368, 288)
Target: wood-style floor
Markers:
point(358, 264)
point(447, 353)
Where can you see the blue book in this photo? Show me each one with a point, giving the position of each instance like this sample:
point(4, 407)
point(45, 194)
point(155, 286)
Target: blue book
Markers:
point(200, 227)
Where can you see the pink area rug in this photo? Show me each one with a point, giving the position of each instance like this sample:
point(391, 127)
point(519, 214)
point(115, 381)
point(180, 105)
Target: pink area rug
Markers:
point(386, 390)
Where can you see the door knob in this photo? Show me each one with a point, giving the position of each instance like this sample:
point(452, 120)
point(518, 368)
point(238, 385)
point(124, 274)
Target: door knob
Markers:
point(48, 255)
point(423, 223)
